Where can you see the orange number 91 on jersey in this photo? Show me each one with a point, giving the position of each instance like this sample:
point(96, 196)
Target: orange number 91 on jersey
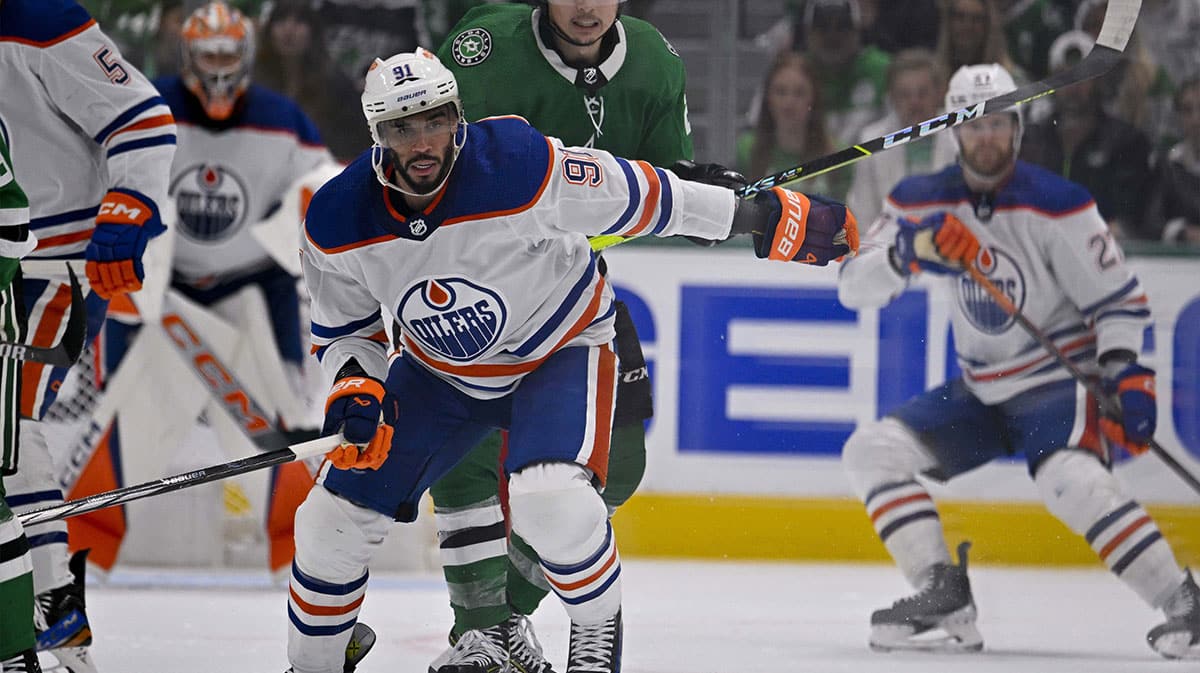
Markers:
point(582, 169)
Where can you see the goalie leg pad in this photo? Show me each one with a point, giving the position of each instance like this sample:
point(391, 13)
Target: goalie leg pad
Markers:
point(334, 543)
point(35, 486)
point(555, 508)
point(882, 460)
point(1085, 496)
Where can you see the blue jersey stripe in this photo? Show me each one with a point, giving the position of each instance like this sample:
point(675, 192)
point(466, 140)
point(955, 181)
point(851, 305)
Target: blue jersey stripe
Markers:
point(22, 499)
point(64, 218)
point(635, 197)
point(142, 143)
point(1126, 289)
point(665, 212)
point(323, 332)
point(1124, 313)
point(127, 116)
point(560, 314)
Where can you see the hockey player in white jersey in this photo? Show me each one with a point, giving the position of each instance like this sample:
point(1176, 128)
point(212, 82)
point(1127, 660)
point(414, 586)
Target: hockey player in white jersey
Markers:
point(473, 239)
point(1041, 240)
point(92, 143)
point(240, 147)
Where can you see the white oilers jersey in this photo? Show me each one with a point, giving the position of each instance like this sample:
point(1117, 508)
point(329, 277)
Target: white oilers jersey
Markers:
point(78, 119)
point(496, 274)
point(1046, 247)
point(228, 176)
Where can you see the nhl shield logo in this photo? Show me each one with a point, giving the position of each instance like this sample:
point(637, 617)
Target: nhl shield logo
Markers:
point(418, 227)
point(977, 305)
point(453, 318)
point(471, 47)
point(211, 202)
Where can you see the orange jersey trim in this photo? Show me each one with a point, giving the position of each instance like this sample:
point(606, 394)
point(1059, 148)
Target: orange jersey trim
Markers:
point(654, 187)
point(519, 209)
point(50, 43)
point(152, 122)
point(64, 239)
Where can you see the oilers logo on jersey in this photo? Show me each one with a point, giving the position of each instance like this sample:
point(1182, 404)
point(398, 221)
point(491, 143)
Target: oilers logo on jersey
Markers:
point(211, 202)
point(977, 305)
point(454, 317)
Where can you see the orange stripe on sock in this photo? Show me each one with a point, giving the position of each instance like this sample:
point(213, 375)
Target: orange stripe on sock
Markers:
point(1121, 537)
point(325, 610)
point(897, 503)
point(612, 558)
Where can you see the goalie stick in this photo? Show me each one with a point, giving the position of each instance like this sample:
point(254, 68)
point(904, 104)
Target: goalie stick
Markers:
point(1108, 405)
point(69, 346)
point(1119, 19)
point(301, 451)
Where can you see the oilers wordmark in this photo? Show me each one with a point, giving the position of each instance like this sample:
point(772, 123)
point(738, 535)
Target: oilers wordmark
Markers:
point(455, 318)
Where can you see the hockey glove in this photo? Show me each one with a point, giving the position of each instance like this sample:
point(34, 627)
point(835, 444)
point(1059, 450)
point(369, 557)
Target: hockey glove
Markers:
point(126, 221)
point(1133, 387)
point(354, 408)
point(939, 244)
point(709, 174)
point(791, 227)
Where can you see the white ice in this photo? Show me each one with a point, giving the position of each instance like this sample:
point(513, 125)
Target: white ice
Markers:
point(681, 617)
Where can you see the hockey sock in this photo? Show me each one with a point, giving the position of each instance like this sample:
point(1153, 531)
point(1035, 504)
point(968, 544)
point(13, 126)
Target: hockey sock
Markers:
point(474, 553)
point(34, 487)
point(907, 522)
point(16, 585)
point(626, 464)
point(556, 509)
point(321, 617)
point(527, 584)
point(1083, 494)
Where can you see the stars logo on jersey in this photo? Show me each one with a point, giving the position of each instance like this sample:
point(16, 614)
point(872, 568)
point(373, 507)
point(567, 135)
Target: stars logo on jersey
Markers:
point(453, 317)
point(977, 305)
point(471, 47)
point(211, 202)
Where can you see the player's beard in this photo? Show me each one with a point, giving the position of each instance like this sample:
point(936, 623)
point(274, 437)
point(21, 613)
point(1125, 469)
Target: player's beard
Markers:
point(990, 160)
point(426, 185)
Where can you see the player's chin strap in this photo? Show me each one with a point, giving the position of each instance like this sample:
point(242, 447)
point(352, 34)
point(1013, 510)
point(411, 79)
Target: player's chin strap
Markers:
point(379, 163)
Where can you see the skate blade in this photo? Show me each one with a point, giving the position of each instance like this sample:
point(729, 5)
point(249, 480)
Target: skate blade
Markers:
point(1176, 646)
point(954, 633)
point(66, 660)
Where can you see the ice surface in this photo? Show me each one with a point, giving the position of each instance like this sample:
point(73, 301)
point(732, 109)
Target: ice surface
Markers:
point(681, 617)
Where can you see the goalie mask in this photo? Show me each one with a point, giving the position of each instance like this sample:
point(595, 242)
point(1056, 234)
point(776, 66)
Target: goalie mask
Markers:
point(218, 54)
point(974, 84)
point(398, 88)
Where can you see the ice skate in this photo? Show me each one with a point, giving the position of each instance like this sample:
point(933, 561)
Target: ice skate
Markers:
point(596, 648)
point(524, 650)
point(361, 641)
point(25, 662)
point(61, 624)
point(1179, 636)
point(940, 617)
point(476, 651)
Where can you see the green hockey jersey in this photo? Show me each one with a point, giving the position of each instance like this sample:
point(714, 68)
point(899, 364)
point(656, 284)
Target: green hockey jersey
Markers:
point(632, 104)
point(14, 210)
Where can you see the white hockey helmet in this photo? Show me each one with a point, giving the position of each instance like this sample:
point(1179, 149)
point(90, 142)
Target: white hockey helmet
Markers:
point(218, 55)
point(973, 84)
point(403, 85)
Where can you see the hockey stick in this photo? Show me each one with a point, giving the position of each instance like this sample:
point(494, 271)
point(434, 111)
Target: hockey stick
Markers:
point(1119, 19)
point(67, 351)
point(224, 386)
point(1108, 405)
point(147, 489)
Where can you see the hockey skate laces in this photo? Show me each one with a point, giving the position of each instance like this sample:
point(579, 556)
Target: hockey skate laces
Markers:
point(475, 647)
point(591, 649)
point(526, 636)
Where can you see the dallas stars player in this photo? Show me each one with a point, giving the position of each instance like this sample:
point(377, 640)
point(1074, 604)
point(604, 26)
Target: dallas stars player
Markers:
point(578, 71)
point(16, 566)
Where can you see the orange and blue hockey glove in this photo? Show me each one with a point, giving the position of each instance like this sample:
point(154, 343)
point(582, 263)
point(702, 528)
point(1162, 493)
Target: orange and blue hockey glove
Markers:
point(792, 227)
point(1133, 386)
point(940, 243)
point(126, 222)
point(354, 408)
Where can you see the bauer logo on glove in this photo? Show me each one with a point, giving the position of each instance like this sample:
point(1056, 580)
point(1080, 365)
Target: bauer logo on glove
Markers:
point(355, 409)
point(792, 227)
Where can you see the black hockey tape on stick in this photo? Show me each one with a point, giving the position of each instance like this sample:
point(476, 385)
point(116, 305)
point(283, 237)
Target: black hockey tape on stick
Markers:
point(302, 451)
point(1119, 19)
point(67, 351)
point(1107, 404)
